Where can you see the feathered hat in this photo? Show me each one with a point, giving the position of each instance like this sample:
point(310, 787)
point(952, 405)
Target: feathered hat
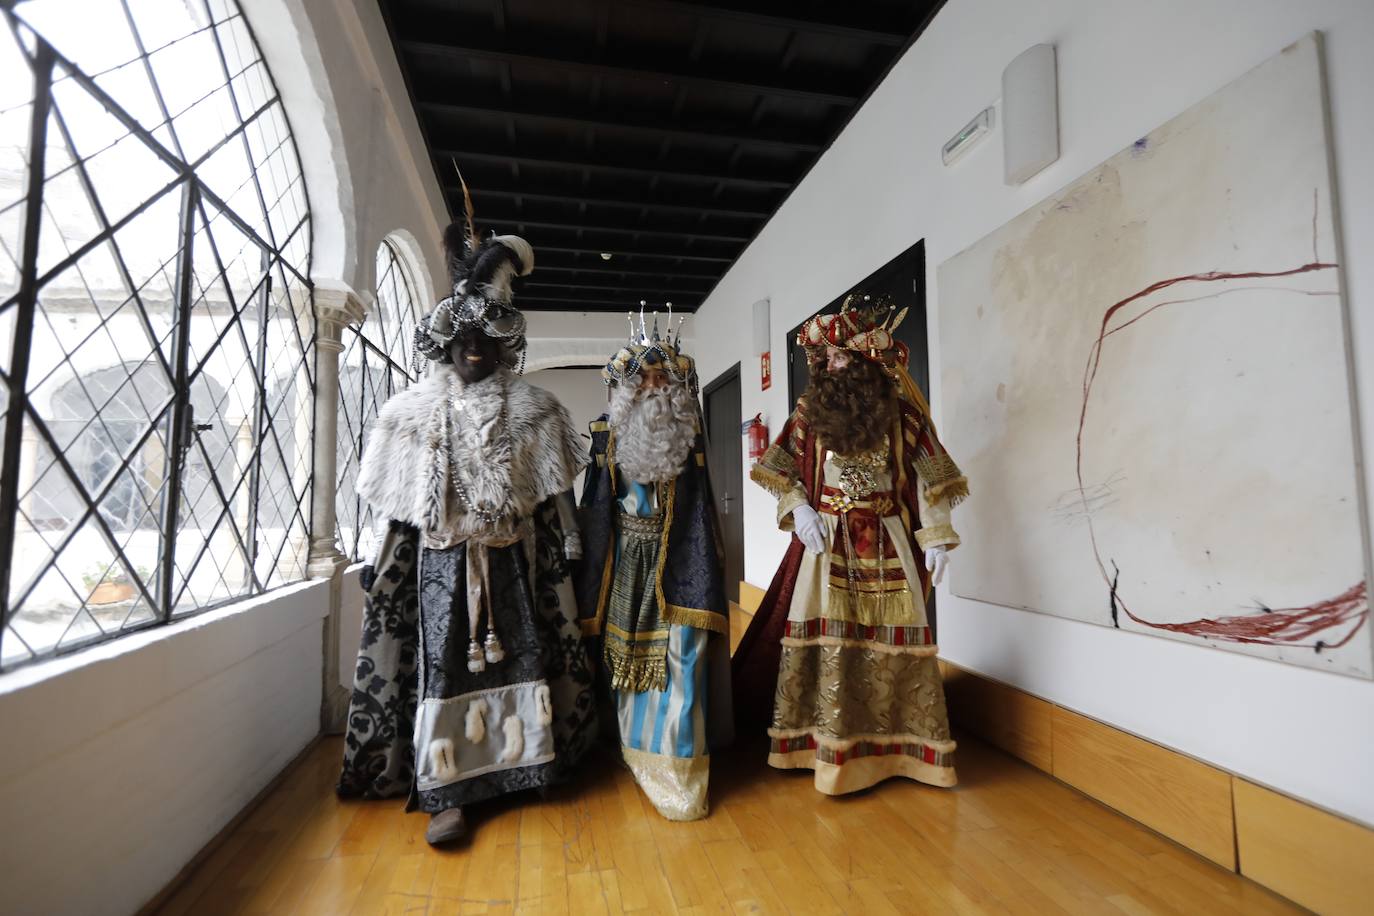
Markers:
point(647, 347)
point(481, 271)
point(863, 325)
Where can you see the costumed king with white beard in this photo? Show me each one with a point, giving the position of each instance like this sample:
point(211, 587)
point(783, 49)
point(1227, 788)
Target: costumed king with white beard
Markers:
point(650, 585)
point(472, 680)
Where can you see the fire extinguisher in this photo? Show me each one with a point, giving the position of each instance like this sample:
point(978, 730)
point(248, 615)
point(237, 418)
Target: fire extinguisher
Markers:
point(758, 437)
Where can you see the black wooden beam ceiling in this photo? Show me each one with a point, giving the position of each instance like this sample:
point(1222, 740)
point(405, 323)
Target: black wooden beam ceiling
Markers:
point(561, 303)
point(586, 225)
point(444, 155)
point(714, 82)
point(882, 37)
point(655, 293)
point(659, 133)
point(609, 269)
point(629, 201)
point(638, 124)
point(637, 252)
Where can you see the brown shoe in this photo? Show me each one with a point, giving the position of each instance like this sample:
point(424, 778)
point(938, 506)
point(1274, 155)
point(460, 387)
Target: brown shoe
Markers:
point(446, 827)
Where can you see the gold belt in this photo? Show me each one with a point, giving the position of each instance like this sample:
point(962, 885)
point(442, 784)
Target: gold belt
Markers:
point(642, 526)
point(837, 503)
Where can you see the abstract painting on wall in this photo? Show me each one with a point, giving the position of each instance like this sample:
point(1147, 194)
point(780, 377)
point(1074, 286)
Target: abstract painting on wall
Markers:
point(1146, 379)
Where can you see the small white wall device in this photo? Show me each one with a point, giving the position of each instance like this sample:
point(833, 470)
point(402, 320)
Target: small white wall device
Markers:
point(1030, 114)
point(967, 138)
point(761, 329)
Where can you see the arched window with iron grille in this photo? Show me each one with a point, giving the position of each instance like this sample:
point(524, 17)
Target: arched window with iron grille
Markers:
point(156, 321)
point(374, 365)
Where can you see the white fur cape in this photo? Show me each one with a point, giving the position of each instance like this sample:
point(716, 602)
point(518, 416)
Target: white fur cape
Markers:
point(405, 468)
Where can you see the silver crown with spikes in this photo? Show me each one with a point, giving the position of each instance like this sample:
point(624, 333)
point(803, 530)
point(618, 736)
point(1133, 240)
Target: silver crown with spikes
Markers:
point(648, 346)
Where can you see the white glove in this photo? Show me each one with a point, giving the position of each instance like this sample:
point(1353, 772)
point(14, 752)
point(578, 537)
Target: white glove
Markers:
point(809, 527)
point(937, 560)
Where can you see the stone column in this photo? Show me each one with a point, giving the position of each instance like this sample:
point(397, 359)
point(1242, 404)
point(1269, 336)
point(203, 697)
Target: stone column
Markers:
point(336, 307)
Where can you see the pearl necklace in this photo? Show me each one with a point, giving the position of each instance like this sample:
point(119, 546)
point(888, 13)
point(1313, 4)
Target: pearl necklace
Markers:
point(485, 511)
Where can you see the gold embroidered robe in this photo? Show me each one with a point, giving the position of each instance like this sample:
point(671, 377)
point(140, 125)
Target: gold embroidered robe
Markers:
point(859, 696)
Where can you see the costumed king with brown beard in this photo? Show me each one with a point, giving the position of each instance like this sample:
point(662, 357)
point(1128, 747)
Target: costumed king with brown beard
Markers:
point(472, 680)
point(651, 583)
point(840, 641)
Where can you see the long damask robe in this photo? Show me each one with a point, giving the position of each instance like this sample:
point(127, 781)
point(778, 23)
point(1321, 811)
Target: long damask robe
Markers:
point(420, 721)
point(651, 592)
point(841, 643)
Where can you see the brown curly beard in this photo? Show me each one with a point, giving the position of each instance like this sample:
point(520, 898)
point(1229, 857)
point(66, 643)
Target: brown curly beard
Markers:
point(851, 409)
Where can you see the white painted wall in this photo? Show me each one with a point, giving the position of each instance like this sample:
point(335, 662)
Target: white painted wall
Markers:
point(1124, 68)
point(123, 761)
point(580, 390)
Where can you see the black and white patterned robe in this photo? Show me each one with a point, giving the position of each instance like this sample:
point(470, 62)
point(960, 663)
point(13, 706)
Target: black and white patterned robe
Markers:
point(420, 720)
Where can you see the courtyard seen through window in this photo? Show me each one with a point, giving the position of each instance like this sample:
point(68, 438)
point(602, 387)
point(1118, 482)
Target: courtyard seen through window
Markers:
point(156, 321)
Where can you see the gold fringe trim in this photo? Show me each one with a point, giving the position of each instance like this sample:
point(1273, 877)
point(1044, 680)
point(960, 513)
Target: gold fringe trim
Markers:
point(779, 459)
point(942, 478)
point(889, 563)
point(669, 503)
point(794, 642)
point(956, 491)
point(672, 613)
point(640, 637)
point(772, 481)
point(945, 745)
point(871, 586)
point(592, 626)
point(937, 469)
point(636, 675)
point(883, 609)
point(696, 619)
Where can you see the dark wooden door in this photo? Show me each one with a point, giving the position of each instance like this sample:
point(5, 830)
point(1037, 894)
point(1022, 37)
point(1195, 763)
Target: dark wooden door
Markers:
point(725, 461)
point(903, 279)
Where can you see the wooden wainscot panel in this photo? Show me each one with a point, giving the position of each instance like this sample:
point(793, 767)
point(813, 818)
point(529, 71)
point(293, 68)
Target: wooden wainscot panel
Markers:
point(1316, 859)
point(739, 622)
point(1011, 719)
point(750, 597)
point(1185, 800)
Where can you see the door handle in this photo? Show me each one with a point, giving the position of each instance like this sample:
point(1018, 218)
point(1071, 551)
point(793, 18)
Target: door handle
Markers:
point(726, 501)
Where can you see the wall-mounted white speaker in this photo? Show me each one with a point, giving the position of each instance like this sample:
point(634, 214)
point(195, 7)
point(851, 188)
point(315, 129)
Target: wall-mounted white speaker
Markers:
point(761, 342)
point(1030, 114)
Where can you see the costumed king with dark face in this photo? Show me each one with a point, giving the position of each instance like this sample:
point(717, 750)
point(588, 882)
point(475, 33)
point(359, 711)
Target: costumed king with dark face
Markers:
point(841, 642)
point(651, 584)
point(472, 681)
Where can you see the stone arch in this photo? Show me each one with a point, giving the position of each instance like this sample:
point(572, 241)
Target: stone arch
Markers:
point(288, 41)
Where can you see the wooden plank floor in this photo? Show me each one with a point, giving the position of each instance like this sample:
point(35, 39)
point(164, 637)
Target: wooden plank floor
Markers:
point(1009, 840)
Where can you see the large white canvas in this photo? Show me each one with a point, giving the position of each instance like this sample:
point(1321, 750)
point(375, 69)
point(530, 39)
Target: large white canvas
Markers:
point(1167, 455)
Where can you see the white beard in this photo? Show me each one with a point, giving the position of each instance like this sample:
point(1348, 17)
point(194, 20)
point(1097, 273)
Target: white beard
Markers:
point(654, 430)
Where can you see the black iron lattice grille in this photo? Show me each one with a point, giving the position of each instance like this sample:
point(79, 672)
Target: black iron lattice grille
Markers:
point(156, 322)
point(374, 365)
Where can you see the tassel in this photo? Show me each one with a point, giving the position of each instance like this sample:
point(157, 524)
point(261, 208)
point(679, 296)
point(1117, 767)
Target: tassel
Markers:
point(494, 652)
point(476, 663)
